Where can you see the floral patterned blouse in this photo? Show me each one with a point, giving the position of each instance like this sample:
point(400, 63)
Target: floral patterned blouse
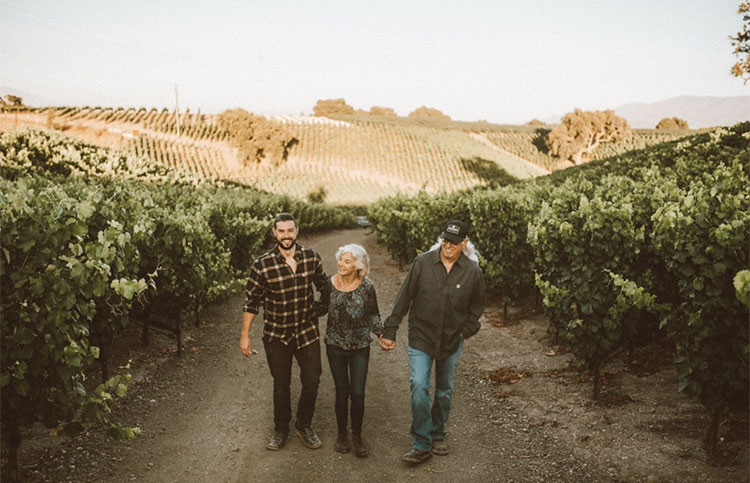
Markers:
point(352, 316)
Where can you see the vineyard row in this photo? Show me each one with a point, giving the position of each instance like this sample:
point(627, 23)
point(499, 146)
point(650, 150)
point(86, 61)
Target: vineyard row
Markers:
point(91, 238)
point(651, 244)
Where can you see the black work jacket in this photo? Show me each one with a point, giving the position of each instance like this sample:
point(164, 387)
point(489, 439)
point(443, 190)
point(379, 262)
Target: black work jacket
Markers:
point(442, 306)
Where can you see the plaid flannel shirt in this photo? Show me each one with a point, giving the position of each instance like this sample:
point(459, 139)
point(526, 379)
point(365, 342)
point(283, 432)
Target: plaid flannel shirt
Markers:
point(290, 312)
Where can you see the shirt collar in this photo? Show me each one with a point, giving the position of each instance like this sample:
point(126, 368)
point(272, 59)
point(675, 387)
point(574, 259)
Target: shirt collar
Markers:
point(297, 251)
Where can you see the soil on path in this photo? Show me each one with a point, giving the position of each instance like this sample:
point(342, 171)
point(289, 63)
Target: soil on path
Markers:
point(520, 412)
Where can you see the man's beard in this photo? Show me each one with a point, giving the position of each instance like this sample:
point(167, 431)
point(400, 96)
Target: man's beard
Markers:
point(290, 241)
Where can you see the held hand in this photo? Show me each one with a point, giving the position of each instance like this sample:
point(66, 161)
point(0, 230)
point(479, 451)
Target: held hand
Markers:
point(382, 345)
point(245, 345)
point(387, 344)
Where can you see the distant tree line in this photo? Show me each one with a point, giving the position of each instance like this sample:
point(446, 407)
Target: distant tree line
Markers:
point(335, 107)
point(575, 139)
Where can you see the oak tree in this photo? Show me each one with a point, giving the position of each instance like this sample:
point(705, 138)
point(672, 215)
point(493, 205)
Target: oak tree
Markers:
point(14, 100)
point(581, 132)
point(382, 111)
point(672, 123)
point(258, 139)
point(425, 112)
point(329, 107)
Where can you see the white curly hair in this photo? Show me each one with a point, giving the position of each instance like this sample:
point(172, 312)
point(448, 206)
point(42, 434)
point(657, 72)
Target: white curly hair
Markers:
point(469, 250)
point(361, 258)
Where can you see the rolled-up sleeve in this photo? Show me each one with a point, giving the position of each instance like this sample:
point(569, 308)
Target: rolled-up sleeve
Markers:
point(254, 290)
point(320, 280)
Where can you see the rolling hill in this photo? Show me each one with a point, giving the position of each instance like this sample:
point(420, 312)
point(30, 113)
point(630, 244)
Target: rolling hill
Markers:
point(354, 159)
point(699, 112)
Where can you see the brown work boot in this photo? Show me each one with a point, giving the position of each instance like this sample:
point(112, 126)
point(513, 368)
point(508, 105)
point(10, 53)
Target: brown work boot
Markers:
point(277, 440)
point(439, 447)
point(415, 456)
point(309, 437)
point(342, 442)
point(360, 448)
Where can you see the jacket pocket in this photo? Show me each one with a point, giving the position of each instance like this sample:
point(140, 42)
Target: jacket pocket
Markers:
point(470, 328)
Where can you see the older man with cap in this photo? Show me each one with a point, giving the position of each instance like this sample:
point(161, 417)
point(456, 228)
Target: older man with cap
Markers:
point(444, 296)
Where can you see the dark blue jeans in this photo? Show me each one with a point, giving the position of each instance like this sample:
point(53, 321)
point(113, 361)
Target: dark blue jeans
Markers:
point(279, 358)
point(349, 371)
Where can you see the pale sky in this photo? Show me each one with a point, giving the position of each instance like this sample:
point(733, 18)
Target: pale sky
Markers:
point(501, 61)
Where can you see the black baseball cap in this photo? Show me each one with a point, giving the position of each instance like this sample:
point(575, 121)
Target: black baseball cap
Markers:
point(455, 231)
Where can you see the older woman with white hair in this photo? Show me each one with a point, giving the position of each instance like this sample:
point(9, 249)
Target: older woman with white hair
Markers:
point(352, 314)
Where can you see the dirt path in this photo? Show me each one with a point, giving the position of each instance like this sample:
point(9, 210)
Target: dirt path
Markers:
point(206, 417)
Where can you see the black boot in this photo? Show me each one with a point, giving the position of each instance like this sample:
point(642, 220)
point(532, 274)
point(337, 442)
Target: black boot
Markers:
point(342, 442)
point(360, 448)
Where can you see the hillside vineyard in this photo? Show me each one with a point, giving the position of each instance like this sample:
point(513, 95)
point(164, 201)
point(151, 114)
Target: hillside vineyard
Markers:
point(357, 160)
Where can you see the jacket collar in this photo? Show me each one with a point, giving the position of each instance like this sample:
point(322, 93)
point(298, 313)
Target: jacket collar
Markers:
point(436, 258)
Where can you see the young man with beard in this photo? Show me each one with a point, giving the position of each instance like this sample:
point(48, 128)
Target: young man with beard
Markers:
point(281, 281)
point(444, 296)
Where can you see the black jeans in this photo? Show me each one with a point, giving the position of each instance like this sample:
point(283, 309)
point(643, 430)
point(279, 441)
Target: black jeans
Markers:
point(279, 358)
point(349, 371)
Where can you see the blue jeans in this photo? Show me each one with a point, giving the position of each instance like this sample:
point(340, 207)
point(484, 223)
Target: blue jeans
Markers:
point(428, 422)
point(349, 371)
